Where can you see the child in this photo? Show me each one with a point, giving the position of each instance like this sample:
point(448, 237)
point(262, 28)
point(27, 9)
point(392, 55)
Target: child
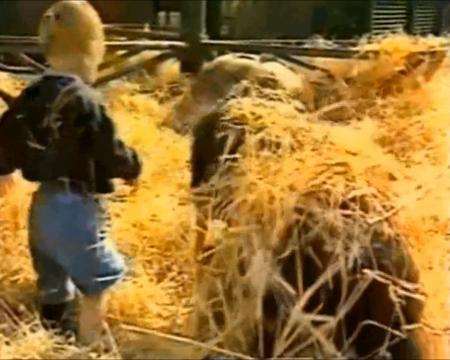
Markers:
point(58, 134)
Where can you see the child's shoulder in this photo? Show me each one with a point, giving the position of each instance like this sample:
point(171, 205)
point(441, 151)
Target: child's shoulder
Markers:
point(53, 88)
point(51, 84)
point(47, 86)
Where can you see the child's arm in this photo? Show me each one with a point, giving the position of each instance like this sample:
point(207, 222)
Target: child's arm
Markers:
point(17, 138)
point(116, 159)
point(9, 129)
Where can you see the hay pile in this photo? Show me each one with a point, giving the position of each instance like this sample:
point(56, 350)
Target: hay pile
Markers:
point(152, 225)
point(380, 176)
point(308, 217)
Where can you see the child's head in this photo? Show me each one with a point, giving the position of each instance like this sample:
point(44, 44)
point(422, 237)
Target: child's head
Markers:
point(71, 33)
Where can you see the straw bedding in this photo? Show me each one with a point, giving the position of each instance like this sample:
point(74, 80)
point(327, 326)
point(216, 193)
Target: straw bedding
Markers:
point(326, 222)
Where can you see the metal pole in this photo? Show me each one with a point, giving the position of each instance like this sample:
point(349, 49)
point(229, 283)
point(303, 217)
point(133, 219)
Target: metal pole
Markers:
point(412, 4)
point(369, 15)
point(193, 20)
point(214, 19)
point(193, 31)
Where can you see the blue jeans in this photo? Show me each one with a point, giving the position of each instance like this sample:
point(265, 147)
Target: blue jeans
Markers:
point(67, 243)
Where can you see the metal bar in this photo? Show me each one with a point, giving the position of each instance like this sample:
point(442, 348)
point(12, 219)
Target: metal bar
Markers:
point(390, 16)
point(388, 26)
point(301, 42)
point(146, 44)
point(33, 63)
point(19, 38)
point(379, 11)
point(151, 35)
point(30, 46)
point(240, 46)
point(17, 69)
point(124, 25)
point(307, 51)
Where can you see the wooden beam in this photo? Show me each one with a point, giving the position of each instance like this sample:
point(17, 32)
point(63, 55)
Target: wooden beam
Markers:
point(130, 65)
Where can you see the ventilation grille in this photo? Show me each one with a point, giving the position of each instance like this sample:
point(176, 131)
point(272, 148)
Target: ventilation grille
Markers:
point(424, 17)
point(389, 16)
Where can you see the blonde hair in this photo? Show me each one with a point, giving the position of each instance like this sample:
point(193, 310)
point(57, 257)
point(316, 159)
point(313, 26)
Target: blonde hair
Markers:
point(71, 34)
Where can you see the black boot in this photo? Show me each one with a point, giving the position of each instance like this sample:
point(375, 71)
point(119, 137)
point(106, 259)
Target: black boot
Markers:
point(59, 317)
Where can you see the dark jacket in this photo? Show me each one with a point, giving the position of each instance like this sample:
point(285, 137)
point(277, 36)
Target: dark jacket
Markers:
point(56, 129)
